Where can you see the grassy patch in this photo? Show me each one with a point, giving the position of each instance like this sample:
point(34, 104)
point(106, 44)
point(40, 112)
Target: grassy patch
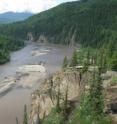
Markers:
point(53, 118)
point(114, 80)
point(81, 118)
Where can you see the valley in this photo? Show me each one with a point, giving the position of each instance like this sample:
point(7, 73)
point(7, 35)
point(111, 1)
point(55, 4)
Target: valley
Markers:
point(59, 66)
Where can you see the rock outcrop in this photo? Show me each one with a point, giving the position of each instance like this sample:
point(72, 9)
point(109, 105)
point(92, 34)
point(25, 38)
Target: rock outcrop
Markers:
point(42, 39)
point(44, 99)
point(110, 85)
point(30, 37)
point(71, 81)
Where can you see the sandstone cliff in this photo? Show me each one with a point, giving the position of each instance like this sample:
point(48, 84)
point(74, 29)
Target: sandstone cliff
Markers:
point(44, 99)
point(110, 84)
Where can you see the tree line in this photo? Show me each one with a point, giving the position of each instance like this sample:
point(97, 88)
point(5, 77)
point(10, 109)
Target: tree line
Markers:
point(7, 45)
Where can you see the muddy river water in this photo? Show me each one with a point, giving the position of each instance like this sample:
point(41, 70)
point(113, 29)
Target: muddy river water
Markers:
point(12, 101)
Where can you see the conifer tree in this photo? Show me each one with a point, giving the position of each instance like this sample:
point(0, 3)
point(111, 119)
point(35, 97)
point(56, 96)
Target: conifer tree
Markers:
point(17, 121)
point(65, 104)
point(38, 118)
point(88, 57)
point(25, 121)
point(65, 62)
point(74, 61)
point(96, 94)
point(114, 62)
point(58, 108)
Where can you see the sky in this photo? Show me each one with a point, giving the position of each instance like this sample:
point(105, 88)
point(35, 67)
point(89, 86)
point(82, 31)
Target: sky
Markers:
point(34, 6)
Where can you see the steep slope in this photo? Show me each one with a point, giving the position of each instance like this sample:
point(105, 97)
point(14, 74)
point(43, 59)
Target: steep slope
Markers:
point(89, 22)
point(45, 98)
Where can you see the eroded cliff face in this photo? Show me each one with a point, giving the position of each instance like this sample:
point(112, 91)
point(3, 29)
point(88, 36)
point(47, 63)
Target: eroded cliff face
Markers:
point(44, 99)
point(42, 39)
point(110, 85)
point(71, 81)
point(30, 36)
point(70, 38)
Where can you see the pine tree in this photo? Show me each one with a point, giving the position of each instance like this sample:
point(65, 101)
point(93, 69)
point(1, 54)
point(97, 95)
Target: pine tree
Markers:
point(101, 62)
point(96, 95)
point(65, 62)
point(25, 121)
point(17, 121)
point(88, 57)
point(65, 105)
point(74, 61)
point(114, 62)
point(58, 108)
point(38, 118)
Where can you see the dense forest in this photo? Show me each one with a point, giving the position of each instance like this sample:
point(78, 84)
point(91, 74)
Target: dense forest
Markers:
point(89, 22)
point(6, 46)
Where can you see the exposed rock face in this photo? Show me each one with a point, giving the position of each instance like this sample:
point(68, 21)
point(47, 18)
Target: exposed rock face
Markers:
point(30, 37)
point(111, 94)
point(71, 37)
point(46, 97)
point(111, 102)
point(111, 98)
point(42, 39)
point(72, 40)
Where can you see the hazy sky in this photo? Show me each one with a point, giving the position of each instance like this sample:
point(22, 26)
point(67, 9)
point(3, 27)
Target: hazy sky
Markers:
point(34, 6)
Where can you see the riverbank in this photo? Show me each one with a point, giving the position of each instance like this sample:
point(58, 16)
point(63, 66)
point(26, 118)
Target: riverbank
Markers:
point(26, 77)
point(45, 98)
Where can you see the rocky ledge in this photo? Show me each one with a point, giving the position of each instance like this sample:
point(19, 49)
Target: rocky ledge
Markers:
point(110, 84)
point(45, 98)
point(70, 81)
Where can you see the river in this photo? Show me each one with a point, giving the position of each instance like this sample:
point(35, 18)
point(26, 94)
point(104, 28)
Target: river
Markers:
point(12, 102)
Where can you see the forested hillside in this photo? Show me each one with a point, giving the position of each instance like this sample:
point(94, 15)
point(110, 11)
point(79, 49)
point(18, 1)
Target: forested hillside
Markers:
point(89, 22)
point(6, 46)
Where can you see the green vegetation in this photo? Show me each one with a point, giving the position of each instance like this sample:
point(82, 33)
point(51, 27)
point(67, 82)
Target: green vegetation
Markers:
point(74, 60)
point(6, 46)
point(65, 62)
point(87, 55)
point(114, 80)
point(109, 52)
point(25, 120)
point(114, 62)
point(53, 118)
point(91, 110)
point(17, 121)
point(79, 116)
point(105, 56)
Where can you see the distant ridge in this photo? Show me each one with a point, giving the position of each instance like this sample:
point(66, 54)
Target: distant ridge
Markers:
point(10, 17)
